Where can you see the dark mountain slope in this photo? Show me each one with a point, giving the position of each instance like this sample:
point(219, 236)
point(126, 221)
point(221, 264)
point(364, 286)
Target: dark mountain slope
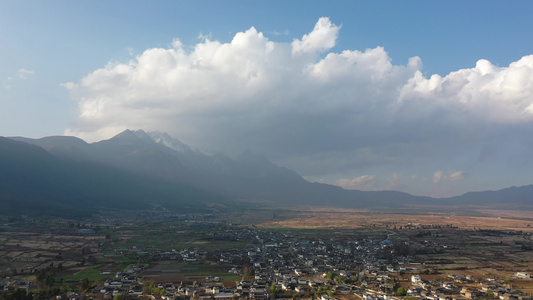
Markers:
point(136, 169)
point(34, 182)
point(60, 146)
point(250, 177)
point(512, 197)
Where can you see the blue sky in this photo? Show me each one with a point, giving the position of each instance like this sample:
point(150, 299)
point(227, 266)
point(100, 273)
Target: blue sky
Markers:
point(73, 67)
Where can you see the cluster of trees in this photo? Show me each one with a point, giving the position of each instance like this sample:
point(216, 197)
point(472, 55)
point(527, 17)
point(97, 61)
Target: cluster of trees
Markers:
point(321, 292)
point(340, 279)
point(149, 288)
point(401, 291)
point(17, 295)
point(428, 271)
point(45, 276)
point(275, 292)
point(46, 285)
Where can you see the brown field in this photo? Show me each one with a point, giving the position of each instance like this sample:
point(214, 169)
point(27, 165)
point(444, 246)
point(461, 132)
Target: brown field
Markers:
point(492, 243)
point(337, 218)
point(25, 249)
point(477, 246)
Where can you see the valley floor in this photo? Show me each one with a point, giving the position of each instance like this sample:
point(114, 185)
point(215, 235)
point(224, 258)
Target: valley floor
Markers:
point(261, 253)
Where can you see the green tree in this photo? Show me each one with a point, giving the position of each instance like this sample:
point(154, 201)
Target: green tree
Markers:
point(84, 284)
point(158, 292)
point(401, 291)
point(245, 272)
point(319, 292)
point(146, 290)
point(49, 281)
point(330, 276)
point(339, 279)
point(273, 290)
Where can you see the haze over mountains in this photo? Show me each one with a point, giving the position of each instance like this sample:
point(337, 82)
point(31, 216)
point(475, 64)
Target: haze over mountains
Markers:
point(66, 176)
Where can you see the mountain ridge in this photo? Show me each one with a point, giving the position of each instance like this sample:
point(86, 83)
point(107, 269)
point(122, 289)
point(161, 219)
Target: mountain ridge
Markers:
point(157, 163)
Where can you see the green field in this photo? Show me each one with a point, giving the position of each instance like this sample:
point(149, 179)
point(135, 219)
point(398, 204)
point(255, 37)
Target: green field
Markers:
point(91, 273)
point(152, 240)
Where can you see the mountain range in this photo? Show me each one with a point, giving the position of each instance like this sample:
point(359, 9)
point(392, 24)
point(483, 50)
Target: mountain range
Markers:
point(65, 176)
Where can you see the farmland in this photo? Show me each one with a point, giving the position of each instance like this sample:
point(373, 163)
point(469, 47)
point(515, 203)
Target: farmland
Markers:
point(202, 248)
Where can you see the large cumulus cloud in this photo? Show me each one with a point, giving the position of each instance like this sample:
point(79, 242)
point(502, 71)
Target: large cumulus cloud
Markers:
point(347, 115)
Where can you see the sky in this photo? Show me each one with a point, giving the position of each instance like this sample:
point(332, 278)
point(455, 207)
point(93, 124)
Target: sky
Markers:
point(427, 97)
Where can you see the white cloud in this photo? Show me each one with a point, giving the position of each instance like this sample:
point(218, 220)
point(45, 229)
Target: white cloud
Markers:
point(500, 94)
point(275, 33)
point(323, 115)
point(250, 79)
point(370, 183)
point(23, 73)
point(68, 85)
point(438, 176)
point(394, 181)
point(365, 182)
point(323, 37)
point(318, 180)
point(457, 175)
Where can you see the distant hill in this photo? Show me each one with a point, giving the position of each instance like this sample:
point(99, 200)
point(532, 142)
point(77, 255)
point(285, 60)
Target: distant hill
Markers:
point(35, 182)
point(137, 170)
point(250, 177)
point(512, 197)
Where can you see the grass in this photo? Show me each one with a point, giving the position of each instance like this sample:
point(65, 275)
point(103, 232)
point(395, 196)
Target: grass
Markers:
point(171, 240)
point(91, 273)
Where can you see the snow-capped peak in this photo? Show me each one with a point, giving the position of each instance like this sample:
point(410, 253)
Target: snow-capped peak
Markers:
point(170, 142)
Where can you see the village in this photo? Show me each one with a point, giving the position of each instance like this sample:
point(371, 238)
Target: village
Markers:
point(389, 263)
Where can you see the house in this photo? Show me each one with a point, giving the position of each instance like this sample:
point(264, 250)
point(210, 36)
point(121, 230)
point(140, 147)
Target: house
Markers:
point(258, 293)
point(523, 275)
point(413, 292)
point(215, 290)
point(508, 296)
point(24, 285)
point(448, 285)
point(303, 289)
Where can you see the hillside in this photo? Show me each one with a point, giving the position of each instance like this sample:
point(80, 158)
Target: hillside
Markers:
point(34, 182)
point(250, 177)
point(138, 170)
